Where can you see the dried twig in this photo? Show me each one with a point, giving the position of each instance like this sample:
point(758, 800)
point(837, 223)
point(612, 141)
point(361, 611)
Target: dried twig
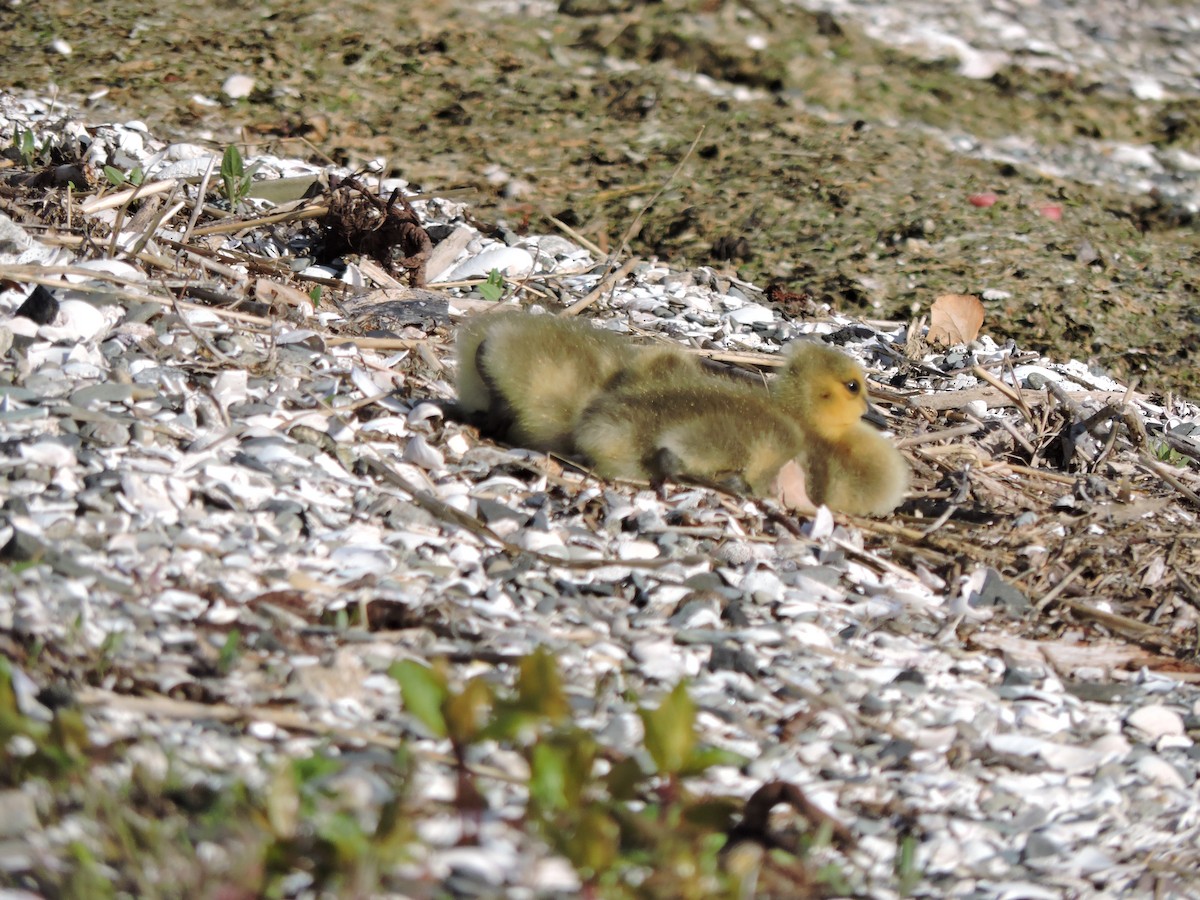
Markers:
point(991, 396)
point(1013, 394)
point(607, 282)
point(299, 214)
point(755, 822)
point(946, 434)
point(574, 235)
point(123, 198)
point(635, 225)
point(198, 206)
point(1154, 466)
point(1123, 625)
point(1055, 591)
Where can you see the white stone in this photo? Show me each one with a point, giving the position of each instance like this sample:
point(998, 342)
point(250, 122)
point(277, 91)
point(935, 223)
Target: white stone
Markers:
point(1155, 721)
point(765, 585)
point(238, 87)
point(352, 563)
point(1147, 89)
point(664, 661)
point(47, 453)
point(1158, 771)
point(187, 168)
point(418, 452)
point(1139, 157)
point(821, 525)
point(511, 261)
point(115, 267)
point(230, 387)
point(752, 314)
point(540, 541)
point(1023, 372)
point(78, 321)
point(395, 426)
point(810, 635)
point(637, 550)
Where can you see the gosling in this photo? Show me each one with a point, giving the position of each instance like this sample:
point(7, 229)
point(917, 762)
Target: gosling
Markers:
point(849, 465)
point(716, 431)
point(527, 378)
point(688, 427)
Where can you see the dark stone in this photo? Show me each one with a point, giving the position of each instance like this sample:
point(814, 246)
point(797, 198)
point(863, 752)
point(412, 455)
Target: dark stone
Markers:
point(910, 676)
point(735, 614)
point(492, 512)
point(897, 751)
point(1017, 678)
point(40, 306)
point(22, 547)
point(1038, 845)
point(998, 592)
point(704, 581)
point(1098, 692)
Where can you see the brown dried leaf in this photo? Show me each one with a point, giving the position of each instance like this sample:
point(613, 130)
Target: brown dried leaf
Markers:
point(955, 319)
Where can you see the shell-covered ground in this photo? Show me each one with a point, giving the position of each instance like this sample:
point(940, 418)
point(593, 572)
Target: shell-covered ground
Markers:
point(271, 625)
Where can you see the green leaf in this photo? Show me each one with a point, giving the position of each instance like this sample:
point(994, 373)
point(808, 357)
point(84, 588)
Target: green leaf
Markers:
point(231, 163)
point(282, 802)
point(716, 814)
point(908, 874)
point(548, 778)
point(315, 767)
point(493, 288)
point(539, 698)
point(230, 651)
point(624, 779)
point(560, 770)
point(423, 691)
point(233, 175)
point(12, 720)
point(670, 731)
point(114, 175)
point(703, 758)
point(464, 713)
point(539, 686)
point(345, 835)
point(511, 724)
point(69, 733)
point(25, 143)
point(592, 845)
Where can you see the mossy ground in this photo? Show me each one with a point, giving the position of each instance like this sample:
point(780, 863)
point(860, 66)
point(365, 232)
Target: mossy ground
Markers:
point(872, 216)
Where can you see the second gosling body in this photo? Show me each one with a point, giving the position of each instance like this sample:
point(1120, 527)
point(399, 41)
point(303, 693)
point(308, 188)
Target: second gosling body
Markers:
point(688, 427)
point(850, 467)
point(527, 378)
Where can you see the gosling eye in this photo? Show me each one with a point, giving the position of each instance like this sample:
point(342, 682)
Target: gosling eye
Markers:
point(853, 386)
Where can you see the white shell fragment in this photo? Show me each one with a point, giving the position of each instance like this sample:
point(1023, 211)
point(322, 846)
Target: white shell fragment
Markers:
point(418, 452)
point(238, 87)
point(511, 261)
point(77, 321)
point(1156, 721)
point(752, 314)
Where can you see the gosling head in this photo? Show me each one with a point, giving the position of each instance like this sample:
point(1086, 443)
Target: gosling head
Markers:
point(823, 389)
